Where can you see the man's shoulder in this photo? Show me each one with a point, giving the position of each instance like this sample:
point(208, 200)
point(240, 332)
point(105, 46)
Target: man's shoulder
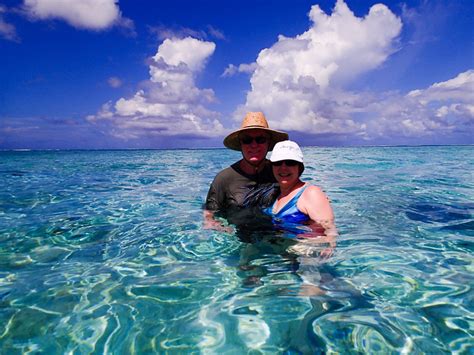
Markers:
point(226, 174)
point(229, 171)
point(236, 175)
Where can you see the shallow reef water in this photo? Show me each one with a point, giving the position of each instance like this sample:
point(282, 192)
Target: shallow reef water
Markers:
point(105, 252)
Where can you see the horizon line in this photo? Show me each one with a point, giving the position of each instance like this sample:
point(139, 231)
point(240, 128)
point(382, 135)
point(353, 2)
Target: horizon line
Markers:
point(218, 148)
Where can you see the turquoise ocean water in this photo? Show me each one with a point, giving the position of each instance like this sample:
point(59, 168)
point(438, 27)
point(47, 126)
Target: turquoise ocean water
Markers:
point(104, 252)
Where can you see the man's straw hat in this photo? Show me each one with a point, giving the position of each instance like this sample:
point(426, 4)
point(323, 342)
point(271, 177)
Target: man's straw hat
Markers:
point(254, 120)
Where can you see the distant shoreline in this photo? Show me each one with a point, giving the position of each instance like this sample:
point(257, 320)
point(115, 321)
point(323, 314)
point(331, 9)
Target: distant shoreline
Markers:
point(223, 148)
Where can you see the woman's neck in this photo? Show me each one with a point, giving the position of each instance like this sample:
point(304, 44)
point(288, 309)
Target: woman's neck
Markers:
point(286, 190)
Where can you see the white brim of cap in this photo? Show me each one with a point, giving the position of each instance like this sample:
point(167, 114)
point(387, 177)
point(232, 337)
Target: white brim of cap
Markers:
point(284, 156)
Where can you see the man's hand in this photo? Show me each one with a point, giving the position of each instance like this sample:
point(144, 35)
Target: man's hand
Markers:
point(211, 222)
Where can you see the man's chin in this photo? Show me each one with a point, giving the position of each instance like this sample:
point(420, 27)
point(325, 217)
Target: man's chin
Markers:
point(255, 160)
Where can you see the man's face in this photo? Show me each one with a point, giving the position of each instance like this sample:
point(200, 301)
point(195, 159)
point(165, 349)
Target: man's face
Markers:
point(254, 144)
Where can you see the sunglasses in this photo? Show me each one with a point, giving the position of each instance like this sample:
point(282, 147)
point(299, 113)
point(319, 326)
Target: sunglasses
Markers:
point(287, 163)
point(249, 140)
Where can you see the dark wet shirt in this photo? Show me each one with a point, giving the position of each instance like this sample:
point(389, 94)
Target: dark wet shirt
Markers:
point(233, 188)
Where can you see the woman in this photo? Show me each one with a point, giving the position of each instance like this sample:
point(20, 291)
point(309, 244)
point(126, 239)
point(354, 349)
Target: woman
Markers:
point(299, 202)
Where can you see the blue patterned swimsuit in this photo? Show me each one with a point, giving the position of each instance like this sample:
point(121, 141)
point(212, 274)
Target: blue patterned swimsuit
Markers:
point(290, 212)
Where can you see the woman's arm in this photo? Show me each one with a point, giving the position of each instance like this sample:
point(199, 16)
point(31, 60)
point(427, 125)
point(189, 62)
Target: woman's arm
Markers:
point(317, 206)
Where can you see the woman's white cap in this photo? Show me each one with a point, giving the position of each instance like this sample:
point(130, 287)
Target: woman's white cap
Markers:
point(286, 150)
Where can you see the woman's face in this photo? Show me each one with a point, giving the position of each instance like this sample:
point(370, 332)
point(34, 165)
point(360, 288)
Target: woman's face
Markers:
point(286, 172)
point(254, 145)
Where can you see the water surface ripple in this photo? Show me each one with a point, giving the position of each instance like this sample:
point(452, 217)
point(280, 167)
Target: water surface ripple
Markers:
point(104, 252)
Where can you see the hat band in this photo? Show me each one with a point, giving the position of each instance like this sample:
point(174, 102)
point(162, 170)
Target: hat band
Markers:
point(255, 126)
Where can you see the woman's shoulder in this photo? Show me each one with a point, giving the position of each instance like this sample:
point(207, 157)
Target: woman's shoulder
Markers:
point(312, 190)
point(313, 193)
point(315, 203)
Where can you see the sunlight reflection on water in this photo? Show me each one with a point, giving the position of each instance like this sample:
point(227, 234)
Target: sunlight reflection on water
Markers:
point(104, 251)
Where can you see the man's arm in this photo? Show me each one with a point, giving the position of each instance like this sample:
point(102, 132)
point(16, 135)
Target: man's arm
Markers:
point(215, 201)
point(211, 222)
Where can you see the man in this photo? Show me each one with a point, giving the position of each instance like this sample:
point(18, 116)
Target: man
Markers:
point(239, 186)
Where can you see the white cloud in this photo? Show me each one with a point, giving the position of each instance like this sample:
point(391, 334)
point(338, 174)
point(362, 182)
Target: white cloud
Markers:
point(301, 83)
point(7, 30)
point(460, 88)
point(114, 82)
point(232, 70)
point(164, 32)
point(188, 51)
point(441, 109)
point(169, 103)
point(216, 33)
point(298, 81)
point(88, 14)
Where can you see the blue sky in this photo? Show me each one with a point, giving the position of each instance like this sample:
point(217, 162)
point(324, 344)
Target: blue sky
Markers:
point(153, 74)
